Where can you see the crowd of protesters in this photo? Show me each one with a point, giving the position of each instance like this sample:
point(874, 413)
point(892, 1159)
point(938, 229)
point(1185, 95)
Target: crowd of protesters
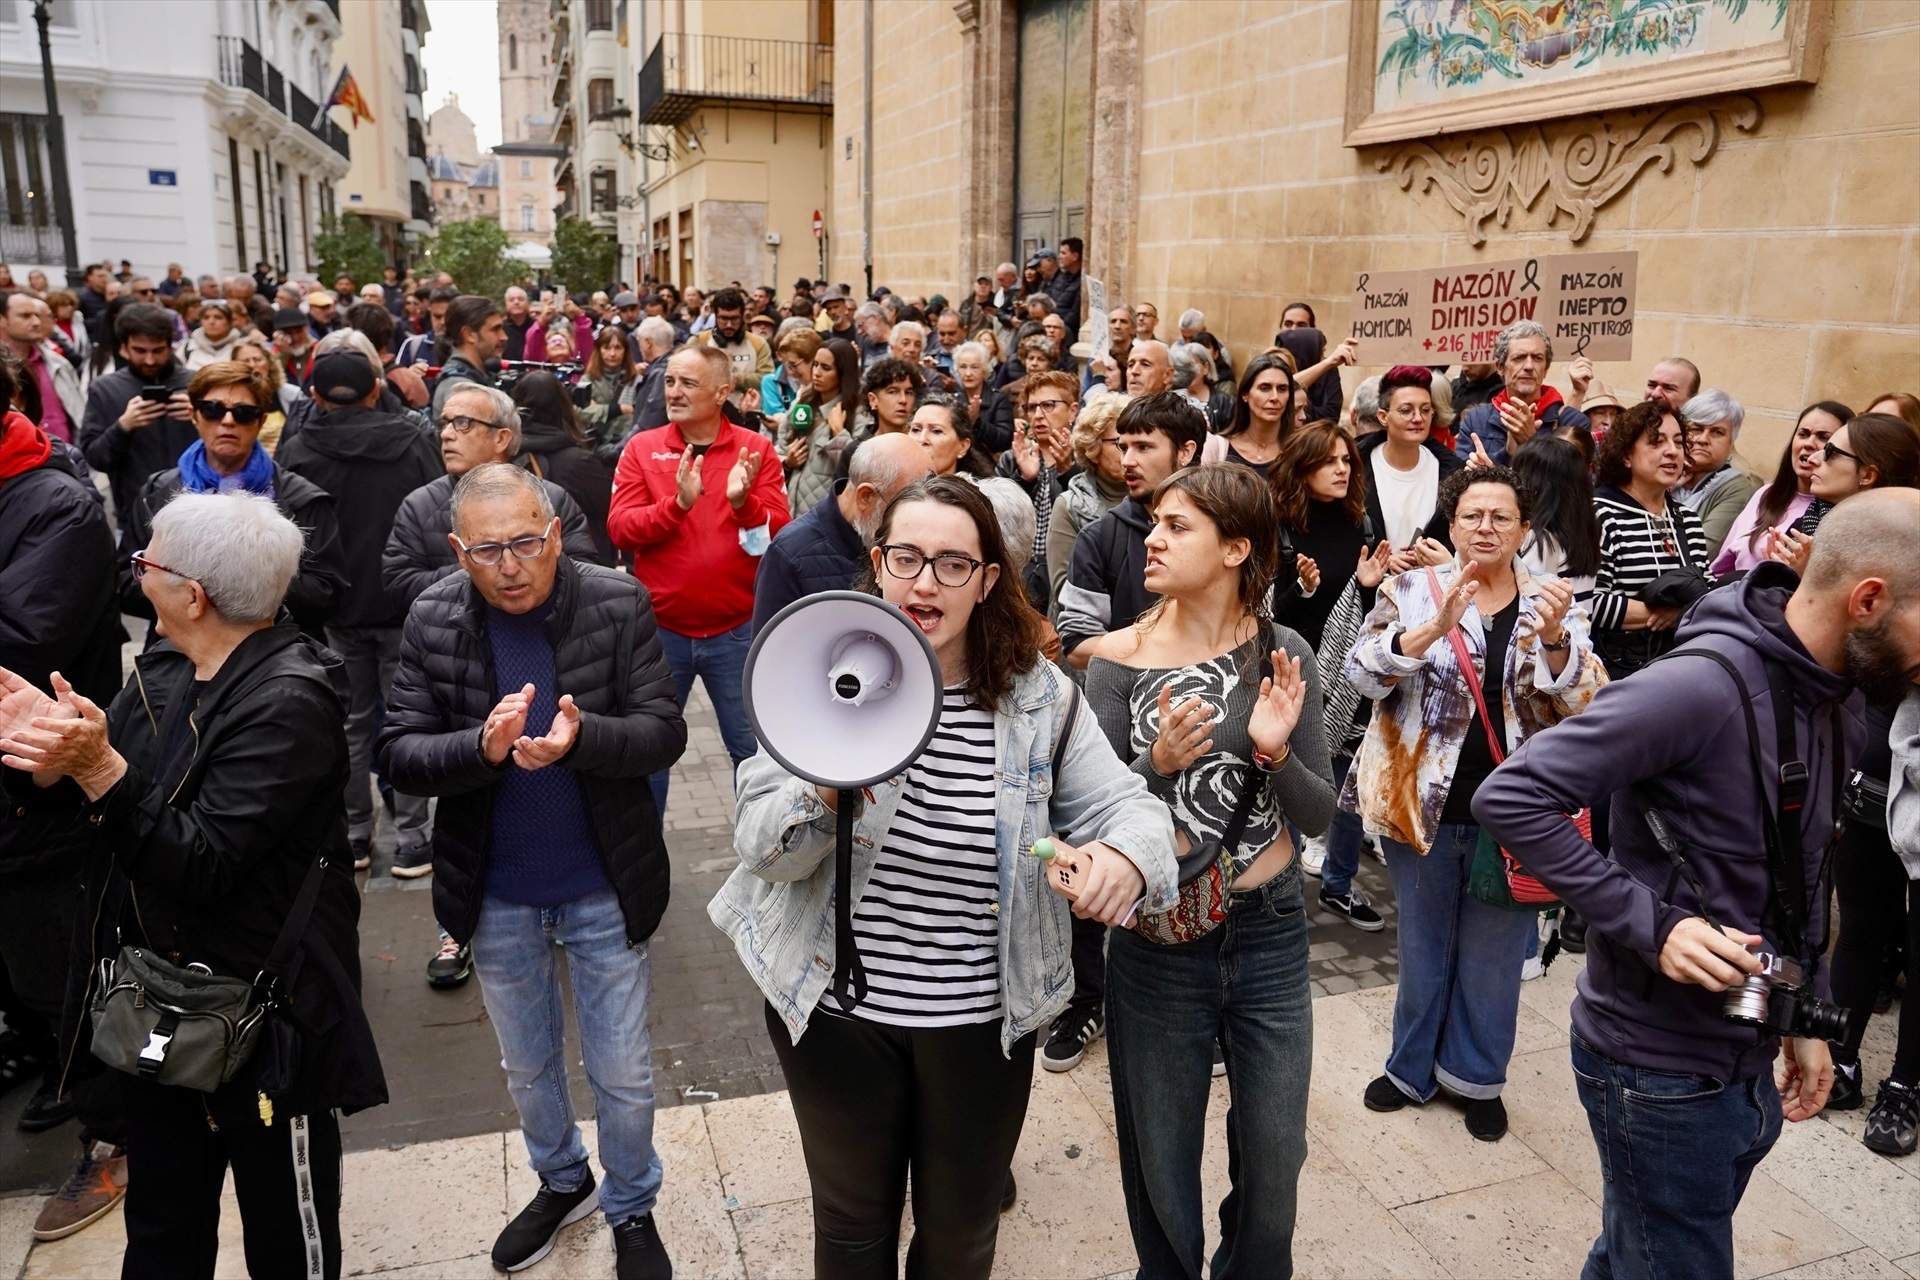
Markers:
point(393, 558)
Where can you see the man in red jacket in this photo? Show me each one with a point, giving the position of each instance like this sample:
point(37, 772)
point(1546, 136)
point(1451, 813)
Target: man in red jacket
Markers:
point(696, 502)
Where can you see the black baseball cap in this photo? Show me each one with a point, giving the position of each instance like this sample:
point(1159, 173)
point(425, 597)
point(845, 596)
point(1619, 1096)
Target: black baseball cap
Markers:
point(342, 377)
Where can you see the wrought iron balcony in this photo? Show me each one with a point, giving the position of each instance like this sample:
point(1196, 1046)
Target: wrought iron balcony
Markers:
point(685, 70)
point(242, 67)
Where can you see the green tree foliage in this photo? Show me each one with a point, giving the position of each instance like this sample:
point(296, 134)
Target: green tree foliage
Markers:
point(583, 258)
point(473, 251)
point(347, 246)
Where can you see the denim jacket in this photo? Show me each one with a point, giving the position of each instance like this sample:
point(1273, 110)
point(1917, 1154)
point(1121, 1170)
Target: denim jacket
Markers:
point(777, 906)
point(1401, 776)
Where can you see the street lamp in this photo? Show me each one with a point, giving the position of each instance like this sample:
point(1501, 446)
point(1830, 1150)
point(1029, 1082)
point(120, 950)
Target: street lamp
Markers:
point(57, 148)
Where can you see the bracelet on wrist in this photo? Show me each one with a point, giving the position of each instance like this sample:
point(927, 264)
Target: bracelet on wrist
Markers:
point(1272, 763)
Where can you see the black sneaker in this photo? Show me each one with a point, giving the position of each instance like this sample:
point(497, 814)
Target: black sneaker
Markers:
point(529, 1237)
point(1010, 1194)
point(1384, 1095)
point(45, 1110)
point(362, 855)
point(1219, 1059)
point(1893, 1126)
point(638, 1253)
point(1072, 1032)
point(411, 864)
point(1847, 1094)
point(451, 965)
point(1573, 932)
point(1487, 1119)
point(1352, 905)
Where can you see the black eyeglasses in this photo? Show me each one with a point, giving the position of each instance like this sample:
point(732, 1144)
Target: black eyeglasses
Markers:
point(1832, 451)
point(489, 554)
point(950, 568)
point(243, 414)
point(463, 423)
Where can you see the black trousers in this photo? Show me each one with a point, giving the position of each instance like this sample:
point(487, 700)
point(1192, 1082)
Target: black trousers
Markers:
point(874, 1102)
point(286, 1176)
point(1089, 966)
point(1878, 906)
point(38, 916)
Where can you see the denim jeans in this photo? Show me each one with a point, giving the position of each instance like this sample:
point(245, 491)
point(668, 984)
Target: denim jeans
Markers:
point(1344, 838)
point(371, 654)
point(720, 662)
point(1245, 984)
point(1675, 1155)
point(1459, 996)
point(514, 953)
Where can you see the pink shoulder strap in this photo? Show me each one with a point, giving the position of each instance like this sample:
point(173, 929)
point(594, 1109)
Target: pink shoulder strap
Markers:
point(1467, 670)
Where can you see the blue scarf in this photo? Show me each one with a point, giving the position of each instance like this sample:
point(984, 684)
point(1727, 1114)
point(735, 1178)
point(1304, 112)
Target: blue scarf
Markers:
point(198, 476)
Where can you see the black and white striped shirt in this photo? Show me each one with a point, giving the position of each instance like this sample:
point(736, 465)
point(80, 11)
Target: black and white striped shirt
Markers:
point(927, 927)
point(1637, 546)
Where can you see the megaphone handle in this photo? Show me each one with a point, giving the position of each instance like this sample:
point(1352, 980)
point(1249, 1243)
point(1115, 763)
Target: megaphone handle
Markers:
point(849, 975)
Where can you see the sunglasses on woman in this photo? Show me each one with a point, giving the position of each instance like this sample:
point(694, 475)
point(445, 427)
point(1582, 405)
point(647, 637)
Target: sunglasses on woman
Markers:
point(243, 414)
point(1831, 451)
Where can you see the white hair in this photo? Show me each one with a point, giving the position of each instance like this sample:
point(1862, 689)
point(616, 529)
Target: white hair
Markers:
point(1715, 405)
point(1018, 523)
point(1520, 329)
point(492, 480)
point(1193, 318)
point(973, 349)
point(238, 546)
point(656, 331)
point(910, 329)
point(1366, 403)
point(1190, 360)
point(502, 411)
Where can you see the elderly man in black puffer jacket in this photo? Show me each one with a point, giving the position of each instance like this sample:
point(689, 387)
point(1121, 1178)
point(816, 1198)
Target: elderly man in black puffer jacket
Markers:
point(533, 694)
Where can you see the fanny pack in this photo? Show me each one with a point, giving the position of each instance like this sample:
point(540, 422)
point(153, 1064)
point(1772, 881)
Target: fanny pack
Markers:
point(1864, 800)
point(195, 1029)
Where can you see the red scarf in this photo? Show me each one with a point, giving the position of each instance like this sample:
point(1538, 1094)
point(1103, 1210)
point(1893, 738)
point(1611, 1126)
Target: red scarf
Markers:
point(23, 446)
point(1548, 397)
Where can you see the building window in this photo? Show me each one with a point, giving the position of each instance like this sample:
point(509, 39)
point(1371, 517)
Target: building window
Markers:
point(513, 53)
point(599, 15)
point(601, 191)
point(526, 217)
point(481, 196)
point(526, 168)
point(599, 99)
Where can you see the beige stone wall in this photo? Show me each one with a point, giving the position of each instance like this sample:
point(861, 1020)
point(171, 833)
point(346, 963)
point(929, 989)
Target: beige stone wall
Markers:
point(919, 96)
point(1787, 266)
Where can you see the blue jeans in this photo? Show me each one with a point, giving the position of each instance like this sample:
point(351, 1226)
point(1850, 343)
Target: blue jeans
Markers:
point(1244, 984)
point(1675, 1153)
point(1459, 997)
point(720, 662)
point(513, 952)
point(370, 655)
point(1344, 838)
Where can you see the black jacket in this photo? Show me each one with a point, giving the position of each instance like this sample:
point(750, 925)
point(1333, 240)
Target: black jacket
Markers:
point(417, 553)
point(227, 801)
point(57, 611)
point(306, 410)
point(129, 457)
point(370, 461)
point(993, 432)
point(606, 654)
point(550, 453)
point(456, 370)
point(1106, 579)
point(1449, 463)
point(818, 552)
point(316, 588)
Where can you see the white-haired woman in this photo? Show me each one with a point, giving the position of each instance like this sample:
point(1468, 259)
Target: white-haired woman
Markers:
point(1095, 487)
point(212, 786)
point(1718, 484)
point(990, 410)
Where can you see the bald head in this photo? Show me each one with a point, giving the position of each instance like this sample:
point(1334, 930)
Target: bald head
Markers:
point(880, 468)
point(1870, 535)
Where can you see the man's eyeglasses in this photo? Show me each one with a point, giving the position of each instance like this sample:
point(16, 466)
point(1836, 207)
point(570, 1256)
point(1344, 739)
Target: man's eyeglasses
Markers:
point(1832, 451)
point(488, 554)
point(1502, 521)
point(1044, 406)
point(950, 568)
point(142, 565)
point(243, 414)
point(463, 423)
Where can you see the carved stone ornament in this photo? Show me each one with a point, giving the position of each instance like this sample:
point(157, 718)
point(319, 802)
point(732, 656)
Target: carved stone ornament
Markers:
point(1578, 164)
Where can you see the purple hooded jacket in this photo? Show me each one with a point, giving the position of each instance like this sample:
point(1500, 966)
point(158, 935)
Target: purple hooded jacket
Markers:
point(1676, 730)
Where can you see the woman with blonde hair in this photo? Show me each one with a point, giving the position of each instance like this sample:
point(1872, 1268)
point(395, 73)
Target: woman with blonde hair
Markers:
point(1095, 487)
point(255, 354)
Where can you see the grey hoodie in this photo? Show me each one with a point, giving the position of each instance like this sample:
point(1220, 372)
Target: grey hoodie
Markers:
point(1676, 729)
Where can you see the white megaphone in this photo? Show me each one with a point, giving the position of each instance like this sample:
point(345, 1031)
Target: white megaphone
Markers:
point(843, 690)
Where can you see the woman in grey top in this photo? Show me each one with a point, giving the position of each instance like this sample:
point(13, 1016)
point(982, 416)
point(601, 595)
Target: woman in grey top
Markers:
point(1185, 696)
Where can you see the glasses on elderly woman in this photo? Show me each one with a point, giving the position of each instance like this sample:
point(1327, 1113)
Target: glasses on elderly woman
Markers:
point(488, 554)
point(141, 566)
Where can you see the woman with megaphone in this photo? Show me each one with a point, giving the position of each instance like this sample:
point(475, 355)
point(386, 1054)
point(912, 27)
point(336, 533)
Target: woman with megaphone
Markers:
point(1217, 710)
point(965, 952)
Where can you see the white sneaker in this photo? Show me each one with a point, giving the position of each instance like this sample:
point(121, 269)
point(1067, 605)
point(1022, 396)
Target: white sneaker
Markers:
point(1532, 969)
point(1313, 855)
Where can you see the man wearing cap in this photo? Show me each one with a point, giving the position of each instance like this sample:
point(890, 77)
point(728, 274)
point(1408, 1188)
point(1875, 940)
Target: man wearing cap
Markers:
point(835, 319)
point(292, 341)
point(761, 325)
point(728, 335)
point(369, 460)
point(321, 313)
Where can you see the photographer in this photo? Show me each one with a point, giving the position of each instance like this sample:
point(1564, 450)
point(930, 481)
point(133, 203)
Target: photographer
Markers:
point(1747, 799)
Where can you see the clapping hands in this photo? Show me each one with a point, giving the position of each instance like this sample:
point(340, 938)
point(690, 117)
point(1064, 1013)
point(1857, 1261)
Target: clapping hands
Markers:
point(1277, 710)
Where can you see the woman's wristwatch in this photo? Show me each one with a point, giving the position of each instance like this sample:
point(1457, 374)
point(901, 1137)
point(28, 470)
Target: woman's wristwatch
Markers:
point(1561, 645)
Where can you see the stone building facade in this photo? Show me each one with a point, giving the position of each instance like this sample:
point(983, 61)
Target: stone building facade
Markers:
point(1785, 259)
point(526, 153)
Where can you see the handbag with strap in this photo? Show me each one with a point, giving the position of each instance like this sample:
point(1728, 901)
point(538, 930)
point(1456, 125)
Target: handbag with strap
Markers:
point(1206, 871)
point(1495, 876)
point(190, 1027)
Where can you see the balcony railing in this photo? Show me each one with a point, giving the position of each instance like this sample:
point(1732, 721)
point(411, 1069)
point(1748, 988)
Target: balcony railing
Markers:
point(306, 113)
point(416, 139)
point(409, 16)
point(29, 224)
point(422, 204)
point(276, 87)
point(336, 137)
point(686, 70)
point(242, 67)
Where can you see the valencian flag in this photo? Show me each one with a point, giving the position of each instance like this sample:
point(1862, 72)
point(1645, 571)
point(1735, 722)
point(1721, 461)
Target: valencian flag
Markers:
point(346, 93)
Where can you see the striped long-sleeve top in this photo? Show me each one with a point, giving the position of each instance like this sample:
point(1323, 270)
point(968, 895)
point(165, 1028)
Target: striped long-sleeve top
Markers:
point(1636, 547)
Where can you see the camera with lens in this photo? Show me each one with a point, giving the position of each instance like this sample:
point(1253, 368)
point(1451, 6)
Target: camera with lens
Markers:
point(1777, 998)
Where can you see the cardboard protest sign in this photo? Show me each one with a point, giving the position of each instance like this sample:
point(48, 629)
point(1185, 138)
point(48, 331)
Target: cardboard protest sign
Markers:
point(1451, 315)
